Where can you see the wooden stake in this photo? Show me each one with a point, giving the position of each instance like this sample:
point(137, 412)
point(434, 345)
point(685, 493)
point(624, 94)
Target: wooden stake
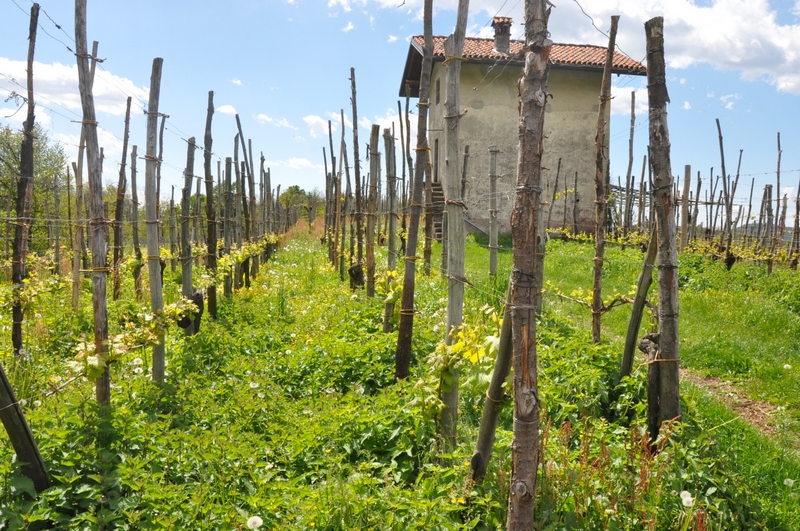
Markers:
point(119, 210)
point(357, 170)
point(211, 256)
point(687, 181)
point(187, 290)
point(137, 271)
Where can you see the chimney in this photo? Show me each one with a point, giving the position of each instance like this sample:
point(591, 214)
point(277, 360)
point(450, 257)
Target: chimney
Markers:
point(502, 34)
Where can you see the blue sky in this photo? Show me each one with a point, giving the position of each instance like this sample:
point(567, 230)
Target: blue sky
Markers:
point(284, 66)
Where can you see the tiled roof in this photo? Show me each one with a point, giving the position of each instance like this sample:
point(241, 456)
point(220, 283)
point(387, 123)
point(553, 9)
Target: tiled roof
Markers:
point(567, 55)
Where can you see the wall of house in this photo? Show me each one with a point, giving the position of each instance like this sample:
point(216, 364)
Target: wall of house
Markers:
point(489, 96)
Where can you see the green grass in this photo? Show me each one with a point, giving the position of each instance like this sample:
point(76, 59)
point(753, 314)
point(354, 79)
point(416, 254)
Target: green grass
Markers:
point(286, 408)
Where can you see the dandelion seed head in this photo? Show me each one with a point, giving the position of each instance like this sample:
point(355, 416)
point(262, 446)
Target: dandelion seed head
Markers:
point(254, 522)
point(253, 385)
point(788, 482)
point(787, 367)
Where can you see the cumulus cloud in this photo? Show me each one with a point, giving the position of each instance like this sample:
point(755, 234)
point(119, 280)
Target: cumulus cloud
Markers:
point(317, 125)
point(687, 105)
point(57, 84)
point(621, 102)
point(236, 81)
point(728, 100)
point(226, 109)
point(282, 122)
point(391, 38)
point(348, 28)
point(294, 163)
point(387, 120)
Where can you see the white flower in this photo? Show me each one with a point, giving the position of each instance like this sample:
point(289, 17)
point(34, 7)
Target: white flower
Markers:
point(138, 370)
point(23, 402)
point(288, 351)
point(260, 395)
point(436, 328)
point(38, 316)
point(137, 361)
point(322, 328)
point(37, 403)
point(23, 352)
point(254, 522)
point(788, 482)
point(253, 385)
point(787, 367)
point(293, 336)
point(686, 498)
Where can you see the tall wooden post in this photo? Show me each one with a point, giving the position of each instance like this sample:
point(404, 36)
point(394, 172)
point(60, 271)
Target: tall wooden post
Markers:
point(374, 165)
point(173, 240)
point(137, 270)
point(226, 223)
point(687, 182)
point(664, 203)
point(601, 155)
point(211, 241)
point(151, 213)
point(493, 224)
point(357, 171)
point(523, 288)
point(187, 290)
point(119, 207)
point(391, 192)
point(627, 215)
point(406, 328)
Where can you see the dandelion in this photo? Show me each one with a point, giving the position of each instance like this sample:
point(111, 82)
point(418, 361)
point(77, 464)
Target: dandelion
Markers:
point(322, 328)
point(293, 336)
point(254, 522)
point(787, 367)
point(37, 403)
point(136, 361)
point(253, 385)
point(788, 482)
point(138, 370)
point(23, 402)
point(260, 395)
point(38, 316)
point(288, 351)
point(686, 498)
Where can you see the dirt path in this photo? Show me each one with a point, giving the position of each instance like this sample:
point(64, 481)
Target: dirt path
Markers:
point(757, 412)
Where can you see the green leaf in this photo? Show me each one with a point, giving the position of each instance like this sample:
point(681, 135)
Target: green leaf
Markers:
point(23, 484)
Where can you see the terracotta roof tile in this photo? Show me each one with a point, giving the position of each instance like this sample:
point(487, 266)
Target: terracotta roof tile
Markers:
point(568, 55)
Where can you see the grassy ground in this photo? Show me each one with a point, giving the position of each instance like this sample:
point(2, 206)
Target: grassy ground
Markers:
point(286, 409)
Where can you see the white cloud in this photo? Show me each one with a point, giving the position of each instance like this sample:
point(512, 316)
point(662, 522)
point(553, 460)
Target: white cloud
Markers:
point(683, 81)
point(348, 28)
point(236, 81)
point(264, 119)
point(687, 105)
point(57, 85)
point(392, 38)
point(294, 163)
point(283, 122)
point(729, 100)
point(621, 102)
point(227, 109)
point(317, 126)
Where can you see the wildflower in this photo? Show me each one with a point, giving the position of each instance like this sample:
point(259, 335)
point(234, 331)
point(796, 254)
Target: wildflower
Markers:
point(38, 316)
point(293, 336)
point(253, 385)
point(37, 403)
point(137, 361)
point(322, 328)
point(686, 498)
point(138, 370)
point(288, 351)
point(260, 395)
point(254, 522)
point(788, 482)
point(787, 367)
point(23, 402)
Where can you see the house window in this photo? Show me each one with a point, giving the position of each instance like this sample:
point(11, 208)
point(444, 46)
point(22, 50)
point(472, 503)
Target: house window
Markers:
point(438, 92)
point(436, 155)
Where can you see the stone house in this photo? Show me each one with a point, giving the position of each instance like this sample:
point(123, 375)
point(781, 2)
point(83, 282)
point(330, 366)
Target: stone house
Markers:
point(489, 97)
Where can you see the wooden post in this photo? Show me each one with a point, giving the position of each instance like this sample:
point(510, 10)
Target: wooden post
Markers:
point(254, 231)
point(357, 171)
point(495, 395)
point(173, 244)
point(374, 170)
point(391, 194)
point(10, 412)
point(493, 224)
point(523, 288)
point(187, 290)
point(151, 212)
point(119, 209)
point(137, 270)
point(664, 202)
point(728, 197)
point(627, 215)
point(57, 224)
point(575, 206)
point(599, 184)
point(687, 182)
point(635, 322)
point(403, 351)
point(24, 194)
point(774, 243)
point(226, 224)
point(454, 204)
point(158, 178)
point(330, 207)
point(211, 240)
point(99, 228)
point(493, 192)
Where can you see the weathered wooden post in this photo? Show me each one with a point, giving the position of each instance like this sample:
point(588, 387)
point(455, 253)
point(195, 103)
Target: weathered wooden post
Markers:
point(391, 193)
point(357, 171)
point(664, 203)
point(523, 288)
point(119, 207)
point(10, 412)
point(454, 47)
point(151, 212)
point(687, 182)
point(226, 224)
point(403, 351)
point(627, 215)
point(211, 240)
point(137, 270)
point(552, 198)
point(493, 224)
point(601, 193)
point(374, 171)
point(173, 243)
point(187, 290)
